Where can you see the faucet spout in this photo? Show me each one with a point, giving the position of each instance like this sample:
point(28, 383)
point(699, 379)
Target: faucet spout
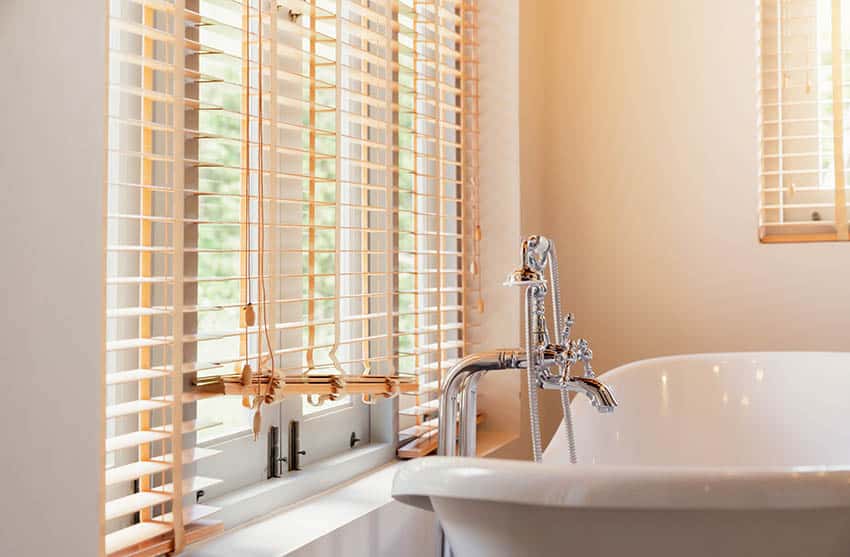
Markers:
point(601, 396)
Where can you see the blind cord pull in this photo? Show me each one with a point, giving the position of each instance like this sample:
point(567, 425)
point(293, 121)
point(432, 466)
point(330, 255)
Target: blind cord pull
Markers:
point(249, 316)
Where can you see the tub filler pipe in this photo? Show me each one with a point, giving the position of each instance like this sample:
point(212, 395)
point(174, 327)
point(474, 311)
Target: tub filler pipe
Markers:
point(464, 376)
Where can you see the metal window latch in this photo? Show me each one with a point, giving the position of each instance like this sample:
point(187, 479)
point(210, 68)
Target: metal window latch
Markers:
point(295, 451)
point(353, 440)
point(275, 460)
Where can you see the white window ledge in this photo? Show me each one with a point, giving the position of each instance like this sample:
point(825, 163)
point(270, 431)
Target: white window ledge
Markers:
point(287, 529)
point(262, 499)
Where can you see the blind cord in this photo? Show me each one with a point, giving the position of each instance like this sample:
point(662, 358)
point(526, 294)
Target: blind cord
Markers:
point(261, 234)
point(262, 301)
point(338, 215)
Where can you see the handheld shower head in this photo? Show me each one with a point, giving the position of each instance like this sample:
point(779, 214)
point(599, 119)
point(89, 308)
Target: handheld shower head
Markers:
point(535, 253)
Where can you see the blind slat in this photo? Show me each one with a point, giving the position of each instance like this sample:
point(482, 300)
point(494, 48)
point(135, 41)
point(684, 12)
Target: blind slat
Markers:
point(133, 471)
point(134, 503)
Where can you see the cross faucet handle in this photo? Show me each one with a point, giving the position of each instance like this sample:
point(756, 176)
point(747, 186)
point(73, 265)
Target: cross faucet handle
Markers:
point(569, 320)
point(585, 355)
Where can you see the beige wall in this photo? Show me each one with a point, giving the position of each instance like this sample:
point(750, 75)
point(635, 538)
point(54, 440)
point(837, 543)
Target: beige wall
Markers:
point(531, 123)
point(650, 176)
point(500, 206)
point(53, 72)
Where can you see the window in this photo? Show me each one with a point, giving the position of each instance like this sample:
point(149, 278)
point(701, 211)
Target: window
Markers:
point(291, 192)
point(802, 96)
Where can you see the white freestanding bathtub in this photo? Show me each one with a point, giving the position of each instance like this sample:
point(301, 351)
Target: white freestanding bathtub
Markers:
point(707, 455)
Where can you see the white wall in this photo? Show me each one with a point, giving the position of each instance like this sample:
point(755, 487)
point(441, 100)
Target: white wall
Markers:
point(650, 180)
point(51, 176)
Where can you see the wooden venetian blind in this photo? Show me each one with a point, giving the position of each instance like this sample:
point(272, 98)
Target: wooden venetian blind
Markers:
point(803, 63)
point(438, 200)
point(292, 194)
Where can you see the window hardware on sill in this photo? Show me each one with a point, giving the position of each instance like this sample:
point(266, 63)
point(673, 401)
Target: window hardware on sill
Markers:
point(353, 440)
point(275, 460)
point(295, 451)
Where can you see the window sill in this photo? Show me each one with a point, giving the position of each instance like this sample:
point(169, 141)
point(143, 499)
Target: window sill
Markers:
point(800, 238)
point(282, 531)
point(269, 496)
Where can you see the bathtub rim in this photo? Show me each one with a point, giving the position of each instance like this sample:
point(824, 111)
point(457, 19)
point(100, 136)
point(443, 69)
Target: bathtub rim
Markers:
point(623, 487)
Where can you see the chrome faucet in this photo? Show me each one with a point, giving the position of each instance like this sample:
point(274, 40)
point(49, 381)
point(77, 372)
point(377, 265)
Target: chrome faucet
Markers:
point(549, 364)
point(538, 253)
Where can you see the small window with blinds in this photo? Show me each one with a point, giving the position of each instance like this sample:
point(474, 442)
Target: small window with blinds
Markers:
point(292, 234)
point(803, 96)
